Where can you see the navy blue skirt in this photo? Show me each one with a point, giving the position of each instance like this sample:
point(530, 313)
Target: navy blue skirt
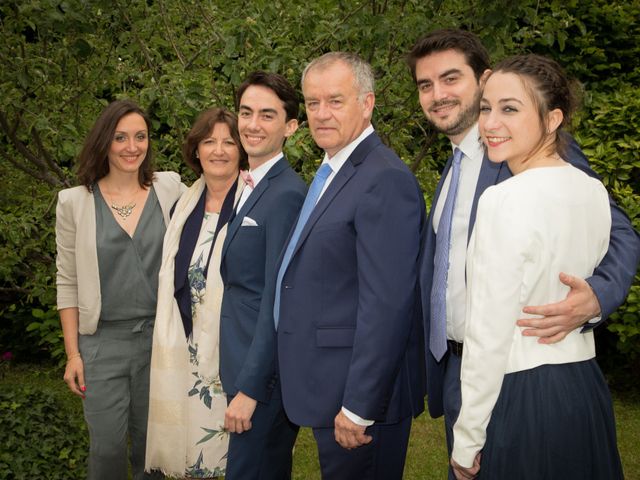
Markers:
point(553, 422)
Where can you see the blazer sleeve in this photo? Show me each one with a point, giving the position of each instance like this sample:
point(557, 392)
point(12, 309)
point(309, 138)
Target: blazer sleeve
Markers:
point(495, 278)
point(387, 222)
point(168, 188)
point(613, 277)
point(66, 275)
point(256, 378)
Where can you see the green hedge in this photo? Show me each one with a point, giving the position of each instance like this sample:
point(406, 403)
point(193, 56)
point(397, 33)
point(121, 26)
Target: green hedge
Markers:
point(608, 133)
point(40, 437)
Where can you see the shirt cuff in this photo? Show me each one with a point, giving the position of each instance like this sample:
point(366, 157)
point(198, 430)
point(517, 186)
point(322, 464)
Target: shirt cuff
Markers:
point(596, 319)
point(356, 419)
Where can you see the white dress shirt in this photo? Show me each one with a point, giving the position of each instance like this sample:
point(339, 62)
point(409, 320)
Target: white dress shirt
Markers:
point(471, 147)
point(339, 159)
point(257, 175)
point(529, 228)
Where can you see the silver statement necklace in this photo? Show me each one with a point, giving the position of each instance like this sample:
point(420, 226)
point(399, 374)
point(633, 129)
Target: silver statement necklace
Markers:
point(125, 210)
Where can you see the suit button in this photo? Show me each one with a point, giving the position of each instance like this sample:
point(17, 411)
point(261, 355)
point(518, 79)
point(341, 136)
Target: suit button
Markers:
point(227, 287)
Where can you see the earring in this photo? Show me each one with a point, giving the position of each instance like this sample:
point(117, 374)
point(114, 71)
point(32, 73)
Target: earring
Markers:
point(197, 155)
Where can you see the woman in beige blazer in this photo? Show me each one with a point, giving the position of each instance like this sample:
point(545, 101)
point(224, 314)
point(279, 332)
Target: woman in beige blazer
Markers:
point(109, 234)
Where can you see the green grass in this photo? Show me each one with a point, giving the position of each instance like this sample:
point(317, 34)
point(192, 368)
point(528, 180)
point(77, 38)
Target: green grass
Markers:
point(427, 455)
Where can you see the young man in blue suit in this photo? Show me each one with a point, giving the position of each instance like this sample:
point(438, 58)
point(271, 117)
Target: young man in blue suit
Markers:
point(262, 438)
point(450, 68)
point(349, 333)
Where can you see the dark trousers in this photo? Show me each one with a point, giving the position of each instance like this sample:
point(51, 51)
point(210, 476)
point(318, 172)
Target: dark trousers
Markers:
point(382, 459)
point(265, 451)
point(452, 399)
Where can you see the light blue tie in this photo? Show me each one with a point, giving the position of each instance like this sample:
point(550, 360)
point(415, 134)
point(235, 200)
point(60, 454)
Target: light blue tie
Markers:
point(307, 207)
point(438, 331)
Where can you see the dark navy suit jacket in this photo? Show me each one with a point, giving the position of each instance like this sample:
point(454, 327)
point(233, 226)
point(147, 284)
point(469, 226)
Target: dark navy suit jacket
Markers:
point(248, 268)
point(610, 281)
point(350, 330)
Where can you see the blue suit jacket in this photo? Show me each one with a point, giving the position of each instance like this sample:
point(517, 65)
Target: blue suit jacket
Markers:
point(610, 281)
point(350, 329)
point(248, 268)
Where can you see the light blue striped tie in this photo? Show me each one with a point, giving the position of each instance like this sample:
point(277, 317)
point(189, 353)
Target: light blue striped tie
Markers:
point(307, 207)
point(438, 331)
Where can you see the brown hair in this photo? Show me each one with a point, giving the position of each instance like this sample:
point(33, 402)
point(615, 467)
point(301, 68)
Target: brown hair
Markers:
point(549, 88)
point(201, 129)
point(462, 41)
point(93, 161)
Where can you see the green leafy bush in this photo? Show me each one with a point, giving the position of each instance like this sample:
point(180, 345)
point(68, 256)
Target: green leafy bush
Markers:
point(46, 327)
point(27, 267)
point(626, 325)
point(608, 132)
point(40, 437)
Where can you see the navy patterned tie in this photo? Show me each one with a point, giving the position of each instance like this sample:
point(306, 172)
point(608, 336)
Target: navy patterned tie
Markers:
point(438, 331)
point(307, 207)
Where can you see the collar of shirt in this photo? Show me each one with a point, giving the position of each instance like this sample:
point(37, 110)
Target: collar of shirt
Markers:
point(473, 151)
point(339, 159)
point(471, 144)
point(259, 173)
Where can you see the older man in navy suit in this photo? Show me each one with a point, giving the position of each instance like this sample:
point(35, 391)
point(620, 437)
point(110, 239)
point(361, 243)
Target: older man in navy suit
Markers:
point(262, 438)
point(450, 68)
point(349, 333)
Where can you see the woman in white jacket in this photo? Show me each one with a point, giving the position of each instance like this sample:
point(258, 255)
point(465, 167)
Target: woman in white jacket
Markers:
point(532, 410)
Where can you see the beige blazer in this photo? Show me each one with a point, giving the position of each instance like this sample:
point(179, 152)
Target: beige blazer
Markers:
point(78, 278)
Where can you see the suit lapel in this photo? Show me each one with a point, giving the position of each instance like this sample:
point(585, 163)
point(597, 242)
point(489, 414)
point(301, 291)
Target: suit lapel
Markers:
point(436, 194)
point(235, 225)
point(252, 199)
point(491, 173)
point(341, 178)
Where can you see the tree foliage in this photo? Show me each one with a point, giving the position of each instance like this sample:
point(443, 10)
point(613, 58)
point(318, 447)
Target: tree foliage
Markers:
point(64, 60)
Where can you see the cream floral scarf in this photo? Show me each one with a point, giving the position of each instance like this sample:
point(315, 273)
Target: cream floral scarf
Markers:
point(167, 431)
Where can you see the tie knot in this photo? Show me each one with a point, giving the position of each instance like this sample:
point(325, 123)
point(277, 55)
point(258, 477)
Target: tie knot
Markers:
point(324, 171)
point(247, 178)
point(457, 156)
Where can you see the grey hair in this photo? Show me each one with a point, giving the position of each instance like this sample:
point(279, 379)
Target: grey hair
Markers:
point(362, 71)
